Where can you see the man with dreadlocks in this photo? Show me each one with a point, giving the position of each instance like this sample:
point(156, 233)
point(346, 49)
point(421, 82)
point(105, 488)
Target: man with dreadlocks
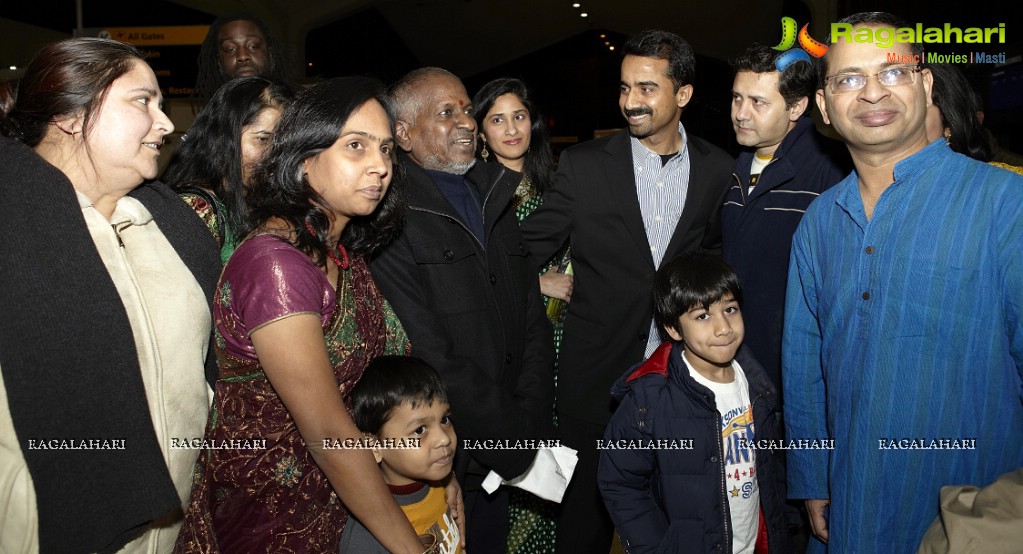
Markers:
point(238, 45)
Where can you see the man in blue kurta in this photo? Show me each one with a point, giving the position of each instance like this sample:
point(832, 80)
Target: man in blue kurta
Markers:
point(903, 338)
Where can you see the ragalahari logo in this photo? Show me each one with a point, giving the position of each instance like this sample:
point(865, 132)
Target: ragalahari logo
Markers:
point(807, 45)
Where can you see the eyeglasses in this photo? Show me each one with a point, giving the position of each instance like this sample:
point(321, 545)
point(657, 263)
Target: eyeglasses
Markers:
point(889, 77)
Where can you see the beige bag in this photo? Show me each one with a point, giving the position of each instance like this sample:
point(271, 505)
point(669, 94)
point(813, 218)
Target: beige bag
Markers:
point(979, 521)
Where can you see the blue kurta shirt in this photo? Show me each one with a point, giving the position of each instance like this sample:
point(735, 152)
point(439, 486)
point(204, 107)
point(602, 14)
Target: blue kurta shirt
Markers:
point(903, 327)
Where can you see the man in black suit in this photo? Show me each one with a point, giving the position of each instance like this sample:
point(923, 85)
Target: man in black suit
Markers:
point(625, 203)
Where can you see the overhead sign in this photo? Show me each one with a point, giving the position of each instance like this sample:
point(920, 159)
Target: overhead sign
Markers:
point(171, 52)
point(182, 35)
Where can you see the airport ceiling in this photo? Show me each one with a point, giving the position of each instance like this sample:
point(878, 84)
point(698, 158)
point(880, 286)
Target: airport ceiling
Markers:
point(470, 36)
point(466, 36)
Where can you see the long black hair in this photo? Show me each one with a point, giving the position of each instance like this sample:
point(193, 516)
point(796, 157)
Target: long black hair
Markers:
point(280, 188)
point(210, 76)
point(210, 156)
point(539, 164)
point(958, 106)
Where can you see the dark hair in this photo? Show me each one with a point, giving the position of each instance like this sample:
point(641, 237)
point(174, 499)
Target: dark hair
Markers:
point(389, 382)
point(308, 126)
point(797, 81)
point(8, 97)
point(539, 163)
point(957, 103)
point(65, 78)
point(210, 155)
point(654, 43)
point(210, 76)
point(689, 281)
point(873, 19)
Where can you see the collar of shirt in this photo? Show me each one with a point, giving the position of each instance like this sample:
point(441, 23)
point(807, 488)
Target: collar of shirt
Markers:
point(931, 155)
point(641, 154)
point(127, 210)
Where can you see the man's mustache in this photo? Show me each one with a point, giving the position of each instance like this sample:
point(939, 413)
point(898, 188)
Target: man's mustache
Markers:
point(638, 111)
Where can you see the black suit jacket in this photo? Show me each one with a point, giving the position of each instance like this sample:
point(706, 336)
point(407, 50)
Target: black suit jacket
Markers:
point(593, 207)
point(475, 313)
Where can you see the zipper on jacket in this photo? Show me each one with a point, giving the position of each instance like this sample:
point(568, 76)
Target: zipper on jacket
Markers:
point(453, 219)
point(493, 185)
point(117, 232)
point(482, 249)
point(483, 210)
point(153, 350)
point(724, 493)
point(758, 461)
point(742, 189)
point(158, 380)
point(752, 404)
point(721, 462)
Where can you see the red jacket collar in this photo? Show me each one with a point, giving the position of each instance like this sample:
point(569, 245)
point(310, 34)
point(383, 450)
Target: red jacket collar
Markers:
point(656, 363)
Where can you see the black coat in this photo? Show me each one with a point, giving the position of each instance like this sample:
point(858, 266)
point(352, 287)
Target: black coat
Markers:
point(475, 314)
point(593, 206)
point(673, 499)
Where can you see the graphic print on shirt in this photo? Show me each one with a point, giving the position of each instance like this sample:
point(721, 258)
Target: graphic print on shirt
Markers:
point(735, 411)
point(447, 535)
point(740, 466)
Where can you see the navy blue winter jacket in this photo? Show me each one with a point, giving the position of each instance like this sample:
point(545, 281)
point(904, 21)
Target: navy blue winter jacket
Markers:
point(757, 229)
point(673, 499)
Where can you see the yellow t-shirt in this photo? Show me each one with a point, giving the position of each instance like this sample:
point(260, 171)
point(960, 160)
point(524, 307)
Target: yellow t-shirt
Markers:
point(430, 515)
point(425, 507)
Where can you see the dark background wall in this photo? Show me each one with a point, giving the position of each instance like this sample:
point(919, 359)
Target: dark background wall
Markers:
point(574, 78)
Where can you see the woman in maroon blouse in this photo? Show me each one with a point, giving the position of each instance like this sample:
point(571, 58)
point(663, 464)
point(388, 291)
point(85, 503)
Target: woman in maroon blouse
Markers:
point(298, 317)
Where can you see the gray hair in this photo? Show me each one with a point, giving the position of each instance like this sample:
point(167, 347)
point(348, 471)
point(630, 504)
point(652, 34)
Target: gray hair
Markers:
point(406, 97)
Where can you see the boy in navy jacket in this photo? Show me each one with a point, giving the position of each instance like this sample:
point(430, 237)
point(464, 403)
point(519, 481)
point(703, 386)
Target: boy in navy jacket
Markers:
point(680, 468)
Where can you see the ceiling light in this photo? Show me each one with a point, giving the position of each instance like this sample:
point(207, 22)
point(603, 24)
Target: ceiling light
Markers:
point(611, 48)
point(576, 5)
point(13, 68)
point(584, 14)
point(602, 35)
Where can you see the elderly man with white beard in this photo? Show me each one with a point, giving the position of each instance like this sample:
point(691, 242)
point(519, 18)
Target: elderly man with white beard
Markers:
point(460, 280)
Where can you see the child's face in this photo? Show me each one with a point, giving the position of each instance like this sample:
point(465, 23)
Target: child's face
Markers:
point(431, 424)
point(711, 336)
